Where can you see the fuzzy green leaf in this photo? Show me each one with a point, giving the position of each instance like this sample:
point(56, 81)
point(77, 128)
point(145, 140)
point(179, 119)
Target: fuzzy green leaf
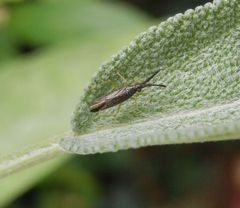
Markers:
point(199, 56)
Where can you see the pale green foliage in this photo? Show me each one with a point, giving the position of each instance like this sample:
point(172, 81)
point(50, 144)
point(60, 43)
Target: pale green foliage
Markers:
point(35, 115)
point(199, 56)
point(38, 93)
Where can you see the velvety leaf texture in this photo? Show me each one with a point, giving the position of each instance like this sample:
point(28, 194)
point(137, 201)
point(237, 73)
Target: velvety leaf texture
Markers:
point(198, 54)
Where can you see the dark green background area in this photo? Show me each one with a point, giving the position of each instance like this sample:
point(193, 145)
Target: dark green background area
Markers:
point(193, 175)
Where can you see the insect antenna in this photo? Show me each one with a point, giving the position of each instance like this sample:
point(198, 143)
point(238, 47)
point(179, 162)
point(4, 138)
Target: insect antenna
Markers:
point(146, 84)
point(149, 78)
point(153, 85)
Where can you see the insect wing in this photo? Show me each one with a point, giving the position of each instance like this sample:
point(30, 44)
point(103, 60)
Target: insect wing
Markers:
point(98, 105)
point(114, 94)
point(107, 101)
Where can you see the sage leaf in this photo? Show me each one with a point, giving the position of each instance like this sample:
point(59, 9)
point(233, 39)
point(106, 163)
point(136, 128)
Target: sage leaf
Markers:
point(198, 55)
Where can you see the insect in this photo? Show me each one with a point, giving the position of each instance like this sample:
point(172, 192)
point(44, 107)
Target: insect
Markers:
point(120, 95)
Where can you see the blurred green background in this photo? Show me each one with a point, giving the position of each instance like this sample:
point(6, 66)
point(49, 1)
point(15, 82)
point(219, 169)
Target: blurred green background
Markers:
point(193, 175)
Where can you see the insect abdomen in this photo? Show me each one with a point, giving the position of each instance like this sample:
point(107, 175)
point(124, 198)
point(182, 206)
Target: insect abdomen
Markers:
point(97, 106)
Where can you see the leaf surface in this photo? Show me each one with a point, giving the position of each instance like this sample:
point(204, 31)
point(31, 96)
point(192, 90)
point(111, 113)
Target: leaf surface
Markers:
point(199, 58)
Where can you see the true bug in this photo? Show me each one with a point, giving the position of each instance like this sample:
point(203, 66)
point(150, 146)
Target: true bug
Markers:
point(120, 95)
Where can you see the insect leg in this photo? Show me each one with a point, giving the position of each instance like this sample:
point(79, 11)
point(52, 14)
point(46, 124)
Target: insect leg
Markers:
point(117, 110)
point(123, 79)
point(113, 84)
point(135, 102)
point(135, 97)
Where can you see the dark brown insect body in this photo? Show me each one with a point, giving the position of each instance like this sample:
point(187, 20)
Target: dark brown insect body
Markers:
point(118, 96)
